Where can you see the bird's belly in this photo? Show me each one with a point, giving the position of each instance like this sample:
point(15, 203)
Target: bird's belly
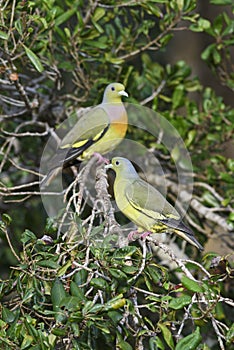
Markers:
point(143, 222)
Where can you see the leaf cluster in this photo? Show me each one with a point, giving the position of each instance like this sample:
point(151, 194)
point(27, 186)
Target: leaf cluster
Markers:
point(81, 297)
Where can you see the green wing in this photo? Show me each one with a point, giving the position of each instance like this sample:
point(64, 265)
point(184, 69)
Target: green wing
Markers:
point(149, 201)
point(87, 131)
point(90, 127)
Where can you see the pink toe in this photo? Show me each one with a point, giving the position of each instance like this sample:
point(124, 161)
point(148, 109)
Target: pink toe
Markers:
point(131, 235)
point(100, 158)
point(145, 234)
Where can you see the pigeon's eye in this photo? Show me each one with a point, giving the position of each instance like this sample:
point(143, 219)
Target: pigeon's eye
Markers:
point(117, 162)
point(112, 88)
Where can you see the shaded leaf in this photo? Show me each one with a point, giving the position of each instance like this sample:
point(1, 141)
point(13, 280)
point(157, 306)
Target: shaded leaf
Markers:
point(179, 303)
point(57, 294)
point(8, 315)
point(34, 59)
point(190, 342)
point(167, 335)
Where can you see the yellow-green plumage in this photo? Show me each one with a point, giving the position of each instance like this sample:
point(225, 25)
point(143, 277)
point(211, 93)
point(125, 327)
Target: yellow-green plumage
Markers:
point(144, 205)
point(98, 131)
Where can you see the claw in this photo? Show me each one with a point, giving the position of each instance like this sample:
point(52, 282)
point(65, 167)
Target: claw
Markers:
point(131, 235)
point(145, 234)
point(100, 158)
point(142, 235)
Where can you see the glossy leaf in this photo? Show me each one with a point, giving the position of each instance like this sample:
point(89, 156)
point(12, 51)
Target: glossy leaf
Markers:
point(34, 59)
point(167, 335)
point(191, 285)
point(190, 342)
point(179, 303)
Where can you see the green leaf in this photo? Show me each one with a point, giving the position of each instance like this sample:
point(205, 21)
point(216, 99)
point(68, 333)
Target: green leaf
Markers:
point(114, 60)
point(81, 277)
point(44, 22)
point(190, 138)
point(6, 219)
point(122, 344)
point(27, 341)
point(230, 164)
point(57, 294)
point(76, 291)
point(64, 268)
point(3, 35)
point(216, 56)
point(230, 335)
point(155, 274)
point(227, 177)
point(3, 326)
point(179, 303)
point(191, 285)
point(8, 315)
point(34, 59)
point(59, 331)
point(115, 303)
point(89, 308)
point(207, 52)
point(28, 236)
point(97, 43)
point(48, 263)
point(116, 273)
point(155, 343)
point(201, 25)
point(71, 303)
point(167, 335)
point(221, 2)
point(99, 283)
point(190, 342)
point(177, 96)
point(231, 217)
point(209, 199)
point(98, 14)
point(96, 308)
point(165, 39)
point(124, 252)
point(65, 16)
point(115, 316)
point(19, 26)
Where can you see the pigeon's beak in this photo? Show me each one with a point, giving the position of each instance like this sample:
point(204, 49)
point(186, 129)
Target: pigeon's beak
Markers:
point(123, 93)
point(108, 166)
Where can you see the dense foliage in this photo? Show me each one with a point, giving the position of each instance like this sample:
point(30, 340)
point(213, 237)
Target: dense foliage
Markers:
point(75, 291)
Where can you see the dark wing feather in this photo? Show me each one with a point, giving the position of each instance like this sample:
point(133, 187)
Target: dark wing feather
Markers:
point(86, 132)
point(74, 152)
point(177, 224)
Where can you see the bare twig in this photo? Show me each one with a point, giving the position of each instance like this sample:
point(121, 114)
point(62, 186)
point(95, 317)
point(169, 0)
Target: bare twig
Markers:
point(4, 229)
point(169, 252)
point(216, 329)
point(186, 316)
point(142, 267)
point(102, 193)
point(154, 94)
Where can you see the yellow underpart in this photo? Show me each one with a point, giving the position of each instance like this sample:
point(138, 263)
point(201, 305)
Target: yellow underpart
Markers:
point(159, 227)
point(108, 142)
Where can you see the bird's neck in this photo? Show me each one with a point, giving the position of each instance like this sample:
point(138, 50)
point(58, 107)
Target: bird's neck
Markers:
point(127, 177)
point(113, 100)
